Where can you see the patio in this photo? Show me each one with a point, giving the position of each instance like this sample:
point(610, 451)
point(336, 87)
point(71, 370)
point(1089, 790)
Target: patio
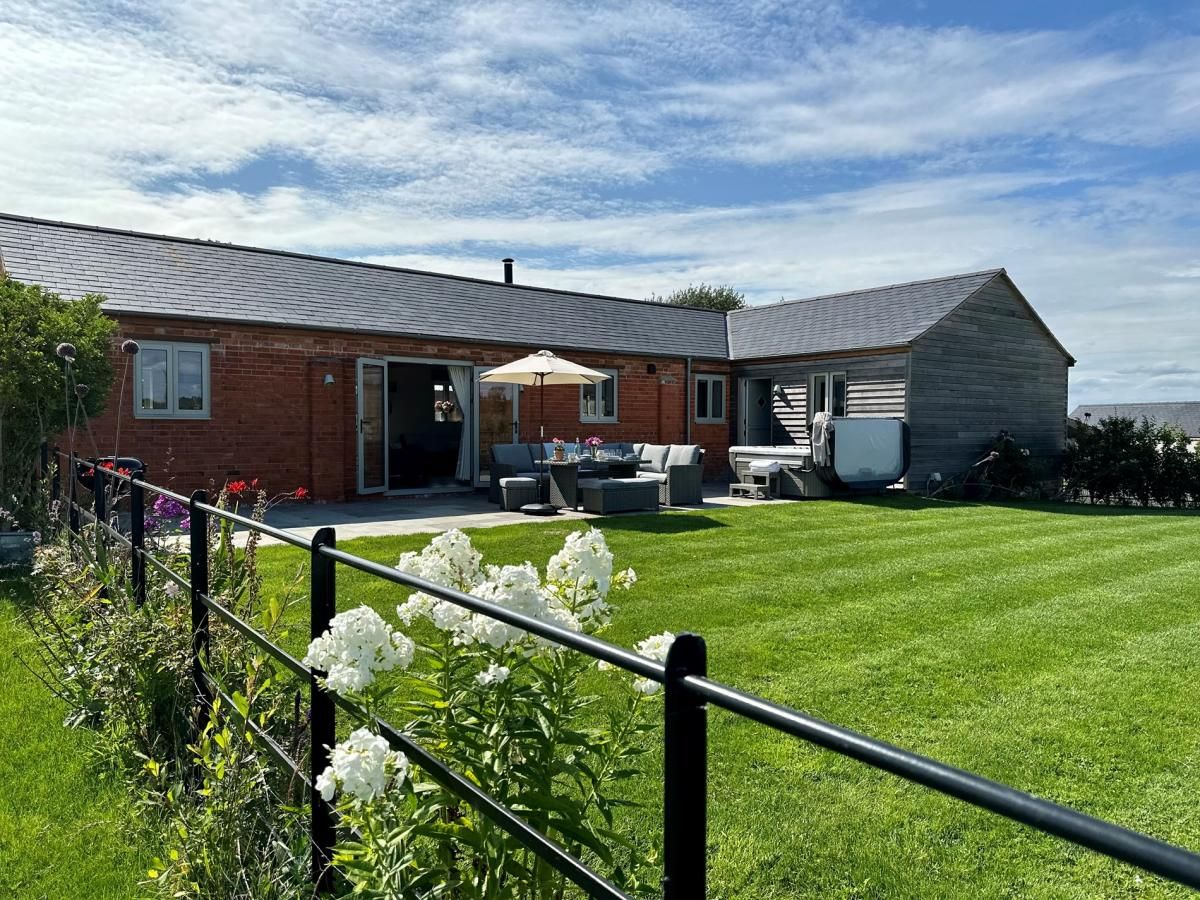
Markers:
point(413, 515)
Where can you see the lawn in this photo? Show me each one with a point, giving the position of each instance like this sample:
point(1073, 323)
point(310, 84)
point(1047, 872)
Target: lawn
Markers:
point(1053, 648)
point(65, 832)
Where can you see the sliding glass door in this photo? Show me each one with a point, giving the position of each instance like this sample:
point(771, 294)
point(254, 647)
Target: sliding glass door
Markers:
point(495, 421)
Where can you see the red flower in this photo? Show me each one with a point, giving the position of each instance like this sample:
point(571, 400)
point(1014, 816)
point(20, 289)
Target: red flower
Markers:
point(107, 464)
point(90, 473)
point(301, 493)
point(254, 484)
point(236, 487)
point(126, 472)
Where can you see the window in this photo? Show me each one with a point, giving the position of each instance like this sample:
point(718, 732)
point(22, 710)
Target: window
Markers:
point(710, 399)
point(172, 381)
point(827, 393)
point(598, 402)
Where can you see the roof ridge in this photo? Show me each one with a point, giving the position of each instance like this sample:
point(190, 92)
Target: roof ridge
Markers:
point(1143, 403)
point(293, 254)
point(880, 287)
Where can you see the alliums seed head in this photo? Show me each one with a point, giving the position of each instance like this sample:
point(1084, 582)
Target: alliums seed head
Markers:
point(81, 390)
point(131, 347)
point(66, 351)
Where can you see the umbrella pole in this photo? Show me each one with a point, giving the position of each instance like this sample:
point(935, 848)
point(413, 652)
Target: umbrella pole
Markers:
point(539, 508)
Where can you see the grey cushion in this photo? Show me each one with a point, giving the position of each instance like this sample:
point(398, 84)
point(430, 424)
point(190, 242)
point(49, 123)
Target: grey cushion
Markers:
point(656, 456)
point(637, 448)
point(516, 455)
point(589, 483)
point(683, 455)
point(518, 482)
point(660, 477)
point(616, 484)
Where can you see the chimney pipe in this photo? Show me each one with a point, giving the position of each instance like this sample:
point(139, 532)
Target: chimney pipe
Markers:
point(508, 264)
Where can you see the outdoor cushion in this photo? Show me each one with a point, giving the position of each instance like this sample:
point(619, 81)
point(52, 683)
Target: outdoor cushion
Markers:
point(656, 456)
point(516, 455)
point(683, 455)
point(614, 484)
point(660, 477)
point(518, 481)
point(637, 448)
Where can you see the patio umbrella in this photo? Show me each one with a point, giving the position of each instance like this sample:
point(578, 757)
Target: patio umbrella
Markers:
point(542, 368)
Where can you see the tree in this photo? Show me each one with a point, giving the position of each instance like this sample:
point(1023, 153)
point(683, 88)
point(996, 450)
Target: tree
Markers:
point(721, 297)
point(36, 400)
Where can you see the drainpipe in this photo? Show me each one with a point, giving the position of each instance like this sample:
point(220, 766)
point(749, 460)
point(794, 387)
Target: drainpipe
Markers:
point(687, 403)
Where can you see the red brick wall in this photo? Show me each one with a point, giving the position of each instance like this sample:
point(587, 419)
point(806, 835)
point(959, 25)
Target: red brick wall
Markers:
point(273, 418)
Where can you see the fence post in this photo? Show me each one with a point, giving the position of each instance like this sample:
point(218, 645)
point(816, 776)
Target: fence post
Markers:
point(98, 489)
point(323, 602)
point(198, 540)
point(72, 504)
point(137, 539)
point(685, 774)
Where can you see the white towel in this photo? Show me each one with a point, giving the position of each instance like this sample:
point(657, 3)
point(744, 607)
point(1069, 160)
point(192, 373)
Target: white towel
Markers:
point(822, 428)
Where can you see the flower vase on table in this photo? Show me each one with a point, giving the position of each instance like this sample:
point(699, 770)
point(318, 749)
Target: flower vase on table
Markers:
point(560, 449)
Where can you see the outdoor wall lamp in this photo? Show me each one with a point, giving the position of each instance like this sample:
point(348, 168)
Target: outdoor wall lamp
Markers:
point(328, 379)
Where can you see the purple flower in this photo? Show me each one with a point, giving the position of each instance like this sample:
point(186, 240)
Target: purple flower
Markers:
point(168, 507)
point(185, 524)
point(66, 351)
point(131, 347)
point(153, 523)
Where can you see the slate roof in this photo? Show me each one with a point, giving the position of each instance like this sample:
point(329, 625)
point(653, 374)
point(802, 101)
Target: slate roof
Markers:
point(893, 315)
point(193, 279)
point(1184, 415)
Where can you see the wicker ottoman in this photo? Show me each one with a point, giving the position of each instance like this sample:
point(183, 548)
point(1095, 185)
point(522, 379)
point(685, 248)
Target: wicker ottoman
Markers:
point(613, 495)
point(515, 492)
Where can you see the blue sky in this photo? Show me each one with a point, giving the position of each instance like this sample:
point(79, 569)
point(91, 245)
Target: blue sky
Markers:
point(787, 148)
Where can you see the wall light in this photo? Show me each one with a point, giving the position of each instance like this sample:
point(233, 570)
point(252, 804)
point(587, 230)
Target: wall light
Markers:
point(328, 379)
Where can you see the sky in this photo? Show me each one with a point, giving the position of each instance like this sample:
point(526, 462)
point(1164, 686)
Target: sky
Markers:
point(630, 148)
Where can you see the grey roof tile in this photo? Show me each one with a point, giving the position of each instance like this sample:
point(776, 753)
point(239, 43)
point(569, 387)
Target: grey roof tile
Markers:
point(878, 317)
point(1183, 414)
point(181, 277)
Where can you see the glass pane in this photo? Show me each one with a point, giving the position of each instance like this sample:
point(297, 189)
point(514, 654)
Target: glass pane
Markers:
point(371, 436)
point(495, 421)
point(190, 379)
point(838, 407)
point(702, 398)
point(718, 398)
point(820, 398)
point(587, 407)
point(153, 363)
point(609, 391)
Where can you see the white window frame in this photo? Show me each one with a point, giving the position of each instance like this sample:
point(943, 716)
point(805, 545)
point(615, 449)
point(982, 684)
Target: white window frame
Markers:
point(829, 377)
point(612, 379)
point(173, 411)
point(710, 419)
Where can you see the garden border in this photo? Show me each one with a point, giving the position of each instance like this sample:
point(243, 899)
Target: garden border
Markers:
point(688, 693)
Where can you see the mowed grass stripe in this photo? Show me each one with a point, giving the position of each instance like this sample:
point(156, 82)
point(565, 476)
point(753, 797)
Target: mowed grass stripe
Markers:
point(1046, 646)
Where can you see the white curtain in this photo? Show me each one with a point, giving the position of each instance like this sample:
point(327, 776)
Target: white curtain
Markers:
point(463, 379)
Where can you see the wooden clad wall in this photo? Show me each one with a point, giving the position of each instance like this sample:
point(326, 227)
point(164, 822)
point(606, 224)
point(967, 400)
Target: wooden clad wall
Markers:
point(875, 386)
point(987, 366)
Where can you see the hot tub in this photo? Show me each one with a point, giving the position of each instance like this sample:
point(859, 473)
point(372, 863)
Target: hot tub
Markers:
point(797, 475)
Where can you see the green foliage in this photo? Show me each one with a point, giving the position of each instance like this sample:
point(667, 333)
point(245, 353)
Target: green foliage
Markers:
point(1123, 461)
point(227, 824)
point(721, 297)
point(34, 402)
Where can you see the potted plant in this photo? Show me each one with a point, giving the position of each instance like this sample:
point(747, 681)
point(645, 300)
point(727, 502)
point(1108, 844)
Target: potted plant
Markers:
point(442, 409)
point(560, 449)
point(593, 445)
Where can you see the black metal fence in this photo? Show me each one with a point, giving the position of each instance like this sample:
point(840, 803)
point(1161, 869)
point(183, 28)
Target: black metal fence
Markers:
point(689, 691)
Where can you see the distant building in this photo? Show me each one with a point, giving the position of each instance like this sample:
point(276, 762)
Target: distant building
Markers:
point(1184, 415)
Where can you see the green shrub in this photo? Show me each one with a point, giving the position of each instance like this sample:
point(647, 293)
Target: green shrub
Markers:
point(1123, 461)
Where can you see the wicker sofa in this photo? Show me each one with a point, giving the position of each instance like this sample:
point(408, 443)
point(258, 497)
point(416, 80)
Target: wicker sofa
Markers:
point(678, 469)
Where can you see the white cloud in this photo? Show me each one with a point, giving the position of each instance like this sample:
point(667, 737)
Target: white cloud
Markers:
point(444, 136)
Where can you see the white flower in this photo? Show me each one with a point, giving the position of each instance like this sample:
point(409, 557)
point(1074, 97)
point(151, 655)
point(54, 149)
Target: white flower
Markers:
point(654, 647)
point(361, 766)
point(171, 589)
point(357, 645)
point(584, 560)
point(625, 579)
point(493, 674)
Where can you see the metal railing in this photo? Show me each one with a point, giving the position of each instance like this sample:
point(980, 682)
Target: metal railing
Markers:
point(689, 691)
